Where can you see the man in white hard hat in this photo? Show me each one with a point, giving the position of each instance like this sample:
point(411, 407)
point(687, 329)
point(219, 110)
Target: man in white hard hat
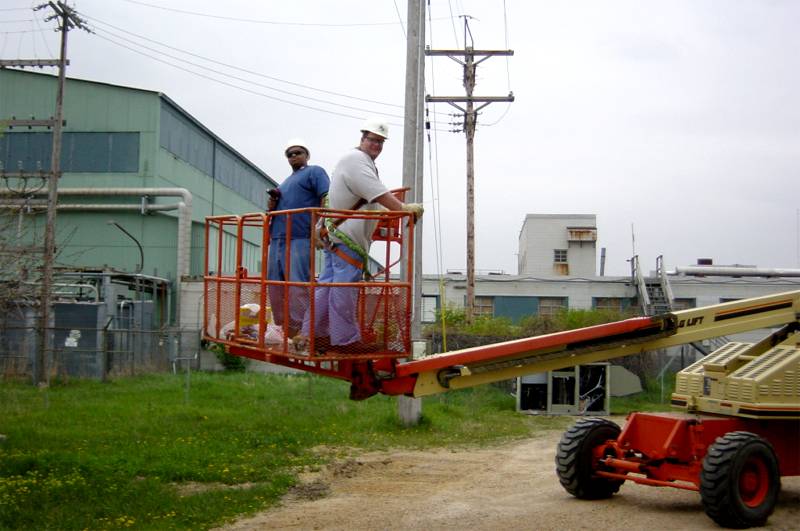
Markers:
point(355, 185)
point(304, 188)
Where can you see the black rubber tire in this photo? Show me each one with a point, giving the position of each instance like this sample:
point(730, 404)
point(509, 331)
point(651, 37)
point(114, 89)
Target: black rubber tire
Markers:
point(740, 481)
point(574, 459)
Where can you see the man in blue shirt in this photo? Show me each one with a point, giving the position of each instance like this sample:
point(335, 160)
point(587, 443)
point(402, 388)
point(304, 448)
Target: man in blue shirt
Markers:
point(305, 187)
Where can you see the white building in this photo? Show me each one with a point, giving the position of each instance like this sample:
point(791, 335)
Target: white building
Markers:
point(557, 269)
point(558, 245)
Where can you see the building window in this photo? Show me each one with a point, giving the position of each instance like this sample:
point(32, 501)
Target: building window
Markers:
point(484, 306)
point(683, 304)
point(430, 303)
point(615, 304)
point(100, 152)
point(560, 256)
point(552, 305)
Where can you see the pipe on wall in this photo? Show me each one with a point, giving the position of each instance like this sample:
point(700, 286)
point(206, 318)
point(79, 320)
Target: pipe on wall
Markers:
point(184, 208)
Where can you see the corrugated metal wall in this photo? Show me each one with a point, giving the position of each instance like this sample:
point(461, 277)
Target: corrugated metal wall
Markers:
point(122, 137)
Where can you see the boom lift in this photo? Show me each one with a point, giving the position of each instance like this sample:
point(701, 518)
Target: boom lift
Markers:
point(740, 427)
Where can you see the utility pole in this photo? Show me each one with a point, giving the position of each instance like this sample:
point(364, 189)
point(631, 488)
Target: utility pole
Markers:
point(410, 409)
point(68, 20)
point(469, 53)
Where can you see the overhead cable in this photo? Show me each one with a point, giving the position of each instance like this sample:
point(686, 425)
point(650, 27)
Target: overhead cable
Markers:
point(232, 85)
point(221, 63)
point(254, 21)
point(244, 80)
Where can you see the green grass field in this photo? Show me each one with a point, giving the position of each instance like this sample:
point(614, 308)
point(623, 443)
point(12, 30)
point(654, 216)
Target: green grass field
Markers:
point(145, 453)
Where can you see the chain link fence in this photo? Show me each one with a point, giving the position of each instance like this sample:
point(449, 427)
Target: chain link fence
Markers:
point(98, 353)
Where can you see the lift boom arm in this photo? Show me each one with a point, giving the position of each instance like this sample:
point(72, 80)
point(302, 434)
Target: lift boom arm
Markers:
point(502, 361)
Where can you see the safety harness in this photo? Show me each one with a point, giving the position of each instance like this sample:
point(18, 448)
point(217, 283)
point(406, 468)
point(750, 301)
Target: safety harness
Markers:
point(331, 228)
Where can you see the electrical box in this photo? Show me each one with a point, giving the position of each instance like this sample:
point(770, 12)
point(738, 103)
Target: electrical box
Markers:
point(579, 390)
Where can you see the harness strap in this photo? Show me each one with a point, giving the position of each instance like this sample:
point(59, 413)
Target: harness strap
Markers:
point(355, 262)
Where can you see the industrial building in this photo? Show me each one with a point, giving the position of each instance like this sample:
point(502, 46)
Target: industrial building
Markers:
point(557, 270)
point(139, 176)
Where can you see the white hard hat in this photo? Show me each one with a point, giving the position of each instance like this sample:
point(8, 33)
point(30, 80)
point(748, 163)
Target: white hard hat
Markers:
point(379, 127)
point(296, 142)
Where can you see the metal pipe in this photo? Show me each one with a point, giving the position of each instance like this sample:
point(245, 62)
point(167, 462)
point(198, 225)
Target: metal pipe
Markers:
point(140, 265)
point(184, 207)
point(80, 286)
point(733, 271)
point(184, 218)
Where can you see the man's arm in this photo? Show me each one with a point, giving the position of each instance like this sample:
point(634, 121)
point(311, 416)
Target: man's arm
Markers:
point(389, 201)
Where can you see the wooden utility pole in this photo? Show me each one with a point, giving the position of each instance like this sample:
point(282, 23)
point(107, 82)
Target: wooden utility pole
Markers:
point(68, 20)
point(470, 121)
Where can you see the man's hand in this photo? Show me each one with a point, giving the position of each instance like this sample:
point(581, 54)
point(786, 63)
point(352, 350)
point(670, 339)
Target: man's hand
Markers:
point(321, 240)
point(415, 208)
point(274, 195)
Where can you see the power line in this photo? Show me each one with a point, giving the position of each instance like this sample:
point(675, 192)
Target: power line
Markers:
point(400, 18)
point(253, 21)
point(46, 45)
point(232, 85)
point(244, 80)
point(226, 83)
point(333, 93)
point(24, 31)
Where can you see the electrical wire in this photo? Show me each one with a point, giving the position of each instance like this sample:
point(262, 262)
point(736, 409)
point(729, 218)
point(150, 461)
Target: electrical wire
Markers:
point(433, 165)
point(508, 68)
point(253, 21)
point(453, 22)
point(233, 85)
point(46, 45)
point(204, 76)
point(244, 80)
point(400, 18)
point(232, 67)
point(23, 31)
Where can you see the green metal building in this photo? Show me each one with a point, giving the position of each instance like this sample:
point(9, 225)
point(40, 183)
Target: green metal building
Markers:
point(136, 166)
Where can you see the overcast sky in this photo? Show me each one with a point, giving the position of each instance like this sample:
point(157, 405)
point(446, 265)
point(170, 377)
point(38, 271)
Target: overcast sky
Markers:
point(677, 122)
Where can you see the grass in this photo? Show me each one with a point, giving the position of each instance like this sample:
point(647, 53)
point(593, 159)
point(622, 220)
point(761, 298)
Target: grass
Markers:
point(88, 455)
point(654, 397)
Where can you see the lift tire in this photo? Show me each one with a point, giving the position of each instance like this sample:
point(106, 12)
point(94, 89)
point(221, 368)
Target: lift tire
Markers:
point(574, 463)
point(740, 480)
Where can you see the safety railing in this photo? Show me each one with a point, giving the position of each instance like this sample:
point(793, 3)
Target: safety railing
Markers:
point(259, 312)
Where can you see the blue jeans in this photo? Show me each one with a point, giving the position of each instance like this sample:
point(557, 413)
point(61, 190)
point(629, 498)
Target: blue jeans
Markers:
point(335, 306)
point(299, 266)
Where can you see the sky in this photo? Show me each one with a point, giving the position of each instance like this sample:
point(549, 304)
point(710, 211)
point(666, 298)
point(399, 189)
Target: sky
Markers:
point(677, 123)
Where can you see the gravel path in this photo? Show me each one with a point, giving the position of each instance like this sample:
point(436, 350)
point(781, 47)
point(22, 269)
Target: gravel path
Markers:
point(510, 486)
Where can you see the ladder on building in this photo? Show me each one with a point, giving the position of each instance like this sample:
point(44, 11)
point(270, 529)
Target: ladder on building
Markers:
point(655, 298)
point(654, 293)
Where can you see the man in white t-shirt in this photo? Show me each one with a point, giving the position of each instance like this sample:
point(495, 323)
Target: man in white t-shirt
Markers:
point(355, 185)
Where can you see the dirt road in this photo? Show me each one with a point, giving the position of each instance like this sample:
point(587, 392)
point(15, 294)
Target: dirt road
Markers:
point(511, 486)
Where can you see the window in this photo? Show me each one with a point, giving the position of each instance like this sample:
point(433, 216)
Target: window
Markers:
point(430, 303)
point(552, 305)
point(615, 304)
point(100, 152)
point(484, 306)
point(560, 256)
point(683, 304)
